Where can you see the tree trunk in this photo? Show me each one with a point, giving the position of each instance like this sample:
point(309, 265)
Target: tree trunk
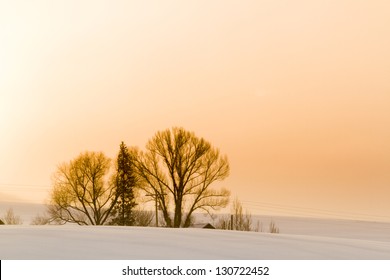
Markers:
point(167, 219)
point(178, 213)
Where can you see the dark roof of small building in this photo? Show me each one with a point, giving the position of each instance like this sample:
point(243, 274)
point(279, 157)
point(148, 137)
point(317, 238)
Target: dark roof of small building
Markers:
point(1, 222)
point(203, 225)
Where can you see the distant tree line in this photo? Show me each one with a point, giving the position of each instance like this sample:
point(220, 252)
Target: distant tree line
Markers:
point(176, 171)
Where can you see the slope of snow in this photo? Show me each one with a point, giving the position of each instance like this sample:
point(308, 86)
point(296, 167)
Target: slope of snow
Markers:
point(76, 242)
point(299, 238)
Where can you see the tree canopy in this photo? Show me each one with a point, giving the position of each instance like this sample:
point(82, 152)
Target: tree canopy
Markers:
point(82, 190)
point(178, 169)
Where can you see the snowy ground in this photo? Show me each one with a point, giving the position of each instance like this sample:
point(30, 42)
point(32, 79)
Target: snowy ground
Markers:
point(76, 242)
point(299, 238)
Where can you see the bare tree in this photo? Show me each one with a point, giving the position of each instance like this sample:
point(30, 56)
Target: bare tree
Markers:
point(83, 192)
point(242, 221)
point(238, 220)
point(11, 219)
point(178, 169)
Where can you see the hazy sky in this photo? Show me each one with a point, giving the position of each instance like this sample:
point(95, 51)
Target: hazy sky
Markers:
point(296, 93)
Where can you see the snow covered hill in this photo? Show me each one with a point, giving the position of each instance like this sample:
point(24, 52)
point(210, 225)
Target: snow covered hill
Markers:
point(299, 238)
point(82, 242)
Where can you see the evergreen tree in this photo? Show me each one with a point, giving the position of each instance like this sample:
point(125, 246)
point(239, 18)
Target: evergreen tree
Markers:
point(125, 181)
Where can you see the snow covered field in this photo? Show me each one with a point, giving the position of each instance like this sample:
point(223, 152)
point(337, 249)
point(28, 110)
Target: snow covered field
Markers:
point(300, 238)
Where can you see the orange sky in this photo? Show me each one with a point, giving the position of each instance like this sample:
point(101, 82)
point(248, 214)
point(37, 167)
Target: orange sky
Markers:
point(296, 93)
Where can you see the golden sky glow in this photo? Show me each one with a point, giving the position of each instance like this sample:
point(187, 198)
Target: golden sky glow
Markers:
point(296, 93)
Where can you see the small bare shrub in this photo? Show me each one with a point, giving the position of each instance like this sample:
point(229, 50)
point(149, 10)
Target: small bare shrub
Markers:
point(273, 228)
point(40, 220)
point(11, 219)
point(259, 227)
point(223, 223)
point(142, 218)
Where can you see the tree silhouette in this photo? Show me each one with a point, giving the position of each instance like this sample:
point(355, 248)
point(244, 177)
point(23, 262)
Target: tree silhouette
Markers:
point(82, 190)
point(125, 181)
point(178, 169)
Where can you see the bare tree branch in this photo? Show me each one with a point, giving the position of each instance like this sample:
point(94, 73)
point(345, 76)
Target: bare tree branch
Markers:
point(179, 165)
